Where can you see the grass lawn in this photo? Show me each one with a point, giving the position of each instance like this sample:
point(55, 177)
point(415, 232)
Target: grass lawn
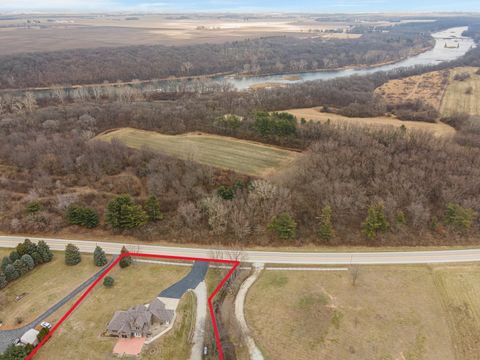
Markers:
point(44, 286)
point(242, 156)
point(393, 312)
point(177, 343)
point(456, 98)
point(81, 333)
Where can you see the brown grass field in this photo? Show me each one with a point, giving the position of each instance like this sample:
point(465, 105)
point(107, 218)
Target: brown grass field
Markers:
point(242, 156)
point(81, 333)
point(314, 114)
point(457, 99)
point(44, 286)
point(428, 87)
point(393, 312)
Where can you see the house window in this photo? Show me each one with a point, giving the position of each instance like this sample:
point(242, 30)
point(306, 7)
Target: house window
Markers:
point(137, 334)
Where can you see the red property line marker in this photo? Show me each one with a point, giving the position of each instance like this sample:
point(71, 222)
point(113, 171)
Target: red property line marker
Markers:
point(235, 264)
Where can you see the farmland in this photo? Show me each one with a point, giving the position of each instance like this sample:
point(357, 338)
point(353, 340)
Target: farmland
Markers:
point(137, 284)
point(315, 114)
point(245, 157)
point(392, 312)
point(462, 96)
point(42, 287)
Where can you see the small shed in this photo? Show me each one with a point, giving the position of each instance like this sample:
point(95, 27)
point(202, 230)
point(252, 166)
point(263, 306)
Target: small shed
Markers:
point(30, 338)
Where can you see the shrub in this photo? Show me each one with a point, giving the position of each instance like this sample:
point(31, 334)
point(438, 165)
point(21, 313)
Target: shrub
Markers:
point(28, 260)
point(152, 208)
point(44, 251)
point(226, 192)
point(459, 218)
point(37, 258)
point(72, 255)
point(21, 267)
point(375, 222)
point(325, 228)
point(108, 281)
point(83, 216)
point(5, 261)
point(461, 76)
point(125, 261)
point(33, 207)
point(14, 256)
point(283, 226)
point(16, 352)
point(42, 334)
point(3, 280)
point(11, 273)
point(99, 257)
point(123, 214)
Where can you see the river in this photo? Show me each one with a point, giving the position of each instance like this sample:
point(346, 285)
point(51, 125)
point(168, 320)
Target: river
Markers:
point(449, 45)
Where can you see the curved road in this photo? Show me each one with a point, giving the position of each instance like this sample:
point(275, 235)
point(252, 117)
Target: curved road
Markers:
point(274, 257)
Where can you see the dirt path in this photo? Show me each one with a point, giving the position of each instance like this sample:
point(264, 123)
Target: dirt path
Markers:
point(254, 351)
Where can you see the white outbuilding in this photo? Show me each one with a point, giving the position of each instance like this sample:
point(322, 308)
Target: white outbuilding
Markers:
point(30, 338)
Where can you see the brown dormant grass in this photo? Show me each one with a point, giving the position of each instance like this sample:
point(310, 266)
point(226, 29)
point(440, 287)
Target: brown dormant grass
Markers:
point(462, 96)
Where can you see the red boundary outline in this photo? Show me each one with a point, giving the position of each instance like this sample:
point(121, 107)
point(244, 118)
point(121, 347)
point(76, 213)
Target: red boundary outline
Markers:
point(111, 266)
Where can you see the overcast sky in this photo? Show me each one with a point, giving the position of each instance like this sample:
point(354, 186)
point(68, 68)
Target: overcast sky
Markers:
point(241, 5)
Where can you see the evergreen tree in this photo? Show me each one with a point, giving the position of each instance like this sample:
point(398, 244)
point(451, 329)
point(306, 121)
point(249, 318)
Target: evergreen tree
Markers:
point(283, 226)
point(30, 247)
point(152, 207)
point(108, 281)
point(14, 256)
point(16, 352)
point(5, 261)
point(44, 251)
point(83, 216)
point(37, 258)
point(3, 280)
point(99, 257)
point(325, 227)
point(28, 260)
point(123, 214)
point(11, 273)
point(21, 267)
point(376, 221)
point(72, 255)
point(125, 261)
point(42, 333)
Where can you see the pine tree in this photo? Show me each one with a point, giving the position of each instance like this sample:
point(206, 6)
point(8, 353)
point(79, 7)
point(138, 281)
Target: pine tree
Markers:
point(375, 222)
point(20, 266)
point(5, 261)
point(125, 261)
point(14, 256)
point(123, 214)
point(284, 226)
point(28, 260)
point(152, 207)
point(99, 257)
point(108, 281)
point(44, 251)
point(325, 228)
point(37, 258)
point(11, 273)
point(3, 280)
point(72, 255)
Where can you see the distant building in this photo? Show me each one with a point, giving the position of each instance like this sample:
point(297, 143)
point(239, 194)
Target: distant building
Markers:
point(30, 338)
point(138, 320)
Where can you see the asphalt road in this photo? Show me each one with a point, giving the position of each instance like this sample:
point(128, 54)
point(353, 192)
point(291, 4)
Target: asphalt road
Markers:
point(276, 257)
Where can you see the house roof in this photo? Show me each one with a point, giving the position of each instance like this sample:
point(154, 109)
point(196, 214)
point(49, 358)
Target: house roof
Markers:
point(30, 337)
point(157, 309)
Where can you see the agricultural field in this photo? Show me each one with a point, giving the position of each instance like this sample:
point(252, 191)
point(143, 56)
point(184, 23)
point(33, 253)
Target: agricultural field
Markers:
point(246, 157)
point(391, 312)
point(137, 284)
point(315, 114)
point(41, 288)
point(428, 87)
point(462, 96)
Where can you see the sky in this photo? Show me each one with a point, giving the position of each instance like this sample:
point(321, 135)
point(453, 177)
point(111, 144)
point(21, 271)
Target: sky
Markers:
point(335, 6)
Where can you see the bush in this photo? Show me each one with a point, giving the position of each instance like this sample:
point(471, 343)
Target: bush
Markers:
point(99, 257)
point(283, 226)
point(72, 255)
point(375, 222)
point(33, 207)
point(11, 273)
point(125, 261)
point(108, 281)
point(16, 352)
point(83, 216)
point(14, 256)
point(461, 76)
point(152, 207)
point(123, 214)
point(5, 261)
point(28, 260)
point(3, 280)
point(226, 192)
point(459, 218)
point(21, 267)
point(42, 334)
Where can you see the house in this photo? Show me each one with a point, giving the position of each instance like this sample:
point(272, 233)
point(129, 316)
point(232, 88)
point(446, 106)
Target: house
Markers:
point(138, 320)
point(30, 338)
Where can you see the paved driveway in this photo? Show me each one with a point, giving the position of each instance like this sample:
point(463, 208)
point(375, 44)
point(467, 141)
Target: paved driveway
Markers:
point(190, 281)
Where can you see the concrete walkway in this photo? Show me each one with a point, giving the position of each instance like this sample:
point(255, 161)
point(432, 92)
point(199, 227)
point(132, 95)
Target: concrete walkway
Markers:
point(200, 319)
point(8, 336)
point(253, 350)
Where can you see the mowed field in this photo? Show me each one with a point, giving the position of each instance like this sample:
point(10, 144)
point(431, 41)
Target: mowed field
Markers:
point(81, 333)
point(242, 156)
point(392, 312)
point(462, 96)
point(315, 114)
point(42, 287)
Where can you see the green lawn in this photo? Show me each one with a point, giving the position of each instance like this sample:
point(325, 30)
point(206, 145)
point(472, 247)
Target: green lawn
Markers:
point(242, 156)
